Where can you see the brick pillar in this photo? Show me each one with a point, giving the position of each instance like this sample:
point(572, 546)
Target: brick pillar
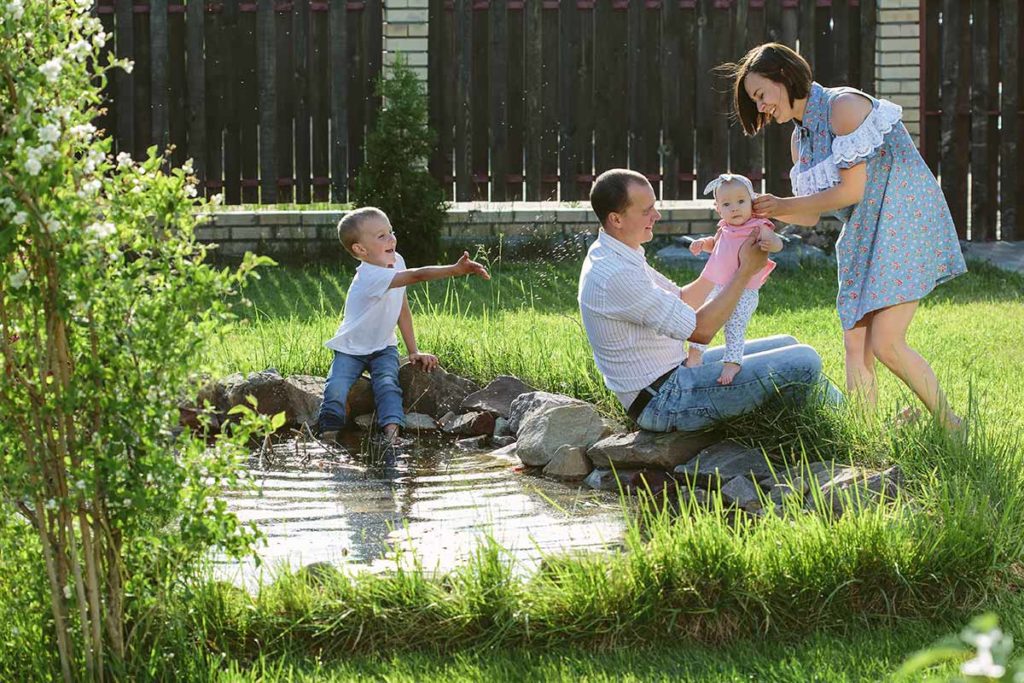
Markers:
point(405, 31)
point(898, 59)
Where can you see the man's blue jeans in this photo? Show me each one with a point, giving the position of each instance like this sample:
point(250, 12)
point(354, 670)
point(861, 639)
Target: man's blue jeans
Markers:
point(345, 370)
point(692, 399)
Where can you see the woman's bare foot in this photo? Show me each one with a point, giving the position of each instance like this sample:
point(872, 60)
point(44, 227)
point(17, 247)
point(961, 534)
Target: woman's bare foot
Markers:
point(729, 372)
point(694, 357)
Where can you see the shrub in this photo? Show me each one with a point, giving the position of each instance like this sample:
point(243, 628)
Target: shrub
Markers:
point(105, 298)
point(394, 176)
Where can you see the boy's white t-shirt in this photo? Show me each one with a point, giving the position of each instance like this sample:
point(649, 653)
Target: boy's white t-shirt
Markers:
point(371, 311)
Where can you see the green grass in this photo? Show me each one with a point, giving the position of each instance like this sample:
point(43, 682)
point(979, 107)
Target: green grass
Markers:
point(801, 597)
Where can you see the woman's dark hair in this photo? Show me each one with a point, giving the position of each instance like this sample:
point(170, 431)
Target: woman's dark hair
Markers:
point(776, 62)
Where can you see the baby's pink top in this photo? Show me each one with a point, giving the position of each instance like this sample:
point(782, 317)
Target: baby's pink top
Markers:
point(725, 259)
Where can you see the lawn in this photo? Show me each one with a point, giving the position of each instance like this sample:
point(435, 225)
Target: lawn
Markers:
point(795, 598)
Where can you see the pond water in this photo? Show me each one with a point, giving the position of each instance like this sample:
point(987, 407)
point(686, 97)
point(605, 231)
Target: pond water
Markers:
point(316, 504)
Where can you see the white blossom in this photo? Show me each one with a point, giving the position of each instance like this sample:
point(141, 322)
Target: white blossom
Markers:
point(128, 65)
point(18, 279)
point(187, 167)
point(32, 166)
point(51, 504)
point(91, 187)
point(79, 49)
point(15, 9)
point(217, 199)
point(124, 159)
point(51, 69)
point(127, 502)
point(102, 230)
point(190, 190)
point(52, 225)
point(49, 133)
point(100, 39)
point(8, 204)
point(20, 218)
point(83, 130)
point(67, 592)
point(80, 485)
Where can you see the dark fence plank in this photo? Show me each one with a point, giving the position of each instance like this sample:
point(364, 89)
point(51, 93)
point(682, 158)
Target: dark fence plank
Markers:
point(549, 100)
point(300, 31)
point(930, 121)
point(610, 134)
point(285, 82)
point(497, 63)
point(739, 148)
point(463, 100)
point(124, 81)
point(246, 60)
point(266, 61)
point(195, 30)
point(159, 55)
point(319, 107)
point(143, 84)
point(177, 88)
point(517, 101)
point(359, 89)
point(955, 121)
point(534, 115)
point(230, 109)
point(338, 82)
point(1010, 40)
point(980, 158)
point(866, 43)
point(435, 85)
point(214, 42)
point(480, 103)
point(808, 31)
point(568, 94)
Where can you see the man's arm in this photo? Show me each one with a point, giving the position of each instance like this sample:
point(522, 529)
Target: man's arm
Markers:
point(712, 315)
point(464, 266)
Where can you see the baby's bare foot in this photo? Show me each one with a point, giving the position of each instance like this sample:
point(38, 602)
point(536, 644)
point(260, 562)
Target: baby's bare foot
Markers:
point(729, 372)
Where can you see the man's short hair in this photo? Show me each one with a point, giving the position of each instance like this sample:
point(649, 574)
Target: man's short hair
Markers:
point(777, 63)
point(610, 193)
point(351, 224)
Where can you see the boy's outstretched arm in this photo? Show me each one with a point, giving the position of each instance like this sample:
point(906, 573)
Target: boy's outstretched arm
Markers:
point(464, 266)
point(427, 360)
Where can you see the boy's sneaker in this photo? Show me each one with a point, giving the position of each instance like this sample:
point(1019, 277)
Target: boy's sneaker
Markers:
point(329, 436)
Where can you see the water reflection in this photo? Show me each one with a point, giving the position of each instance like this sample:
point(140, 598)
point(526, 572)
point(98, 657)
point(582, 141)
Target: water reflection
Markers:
point(436, 501)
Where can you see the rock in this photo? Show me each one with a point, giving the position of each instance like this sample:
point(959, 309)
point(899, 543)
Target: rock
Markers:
point(742, 492)
point(446, 419)
point(543, 431)
point(693, 496)
point(653, 482)
point(364, 421)
point(434, 393)
point(216, 393)
point(853, 488)
point(568, 462)
point(470, 424)
point(783, 491)
point(501, 427)
point(603, 479)
point(497, 396)
point(536, 401)
point(473, 443)
point(648, 449)
point(298, 397)
point(722, 462)
point(360, 398)
point(499, 441)
point(506, 453)
point(418, 422)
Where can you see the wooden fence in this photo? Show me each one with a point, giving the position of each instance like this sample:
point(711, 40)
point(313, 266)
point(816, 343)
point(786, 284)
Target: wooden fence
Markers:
point(973, 114)
point(270, 99)
point(531, 98)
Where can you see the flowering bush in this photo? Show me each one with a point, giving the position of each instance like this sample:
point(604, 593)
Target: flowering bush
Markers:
point(105, 299)
point(982, 649)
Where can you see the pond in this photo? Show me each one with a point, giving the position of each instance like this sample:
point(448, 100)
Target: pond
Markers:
point(318, 504)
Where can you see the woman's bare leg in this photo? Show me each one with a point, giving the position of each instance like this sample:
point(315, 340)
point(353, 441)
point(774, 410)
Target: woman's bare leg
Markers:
point(888, 339)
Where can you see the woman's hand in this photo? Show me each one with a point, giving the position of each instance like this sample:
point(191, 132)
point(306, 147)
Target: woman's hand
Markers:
point(769, 206)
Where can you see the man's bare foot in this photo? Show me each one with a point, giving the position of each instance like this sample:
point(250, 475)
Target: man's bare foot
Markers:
point(729, 372)
point(694, 357)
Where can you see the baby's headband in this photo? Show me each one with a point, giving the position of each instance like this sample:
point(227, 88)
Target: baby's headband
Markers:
point(713, 186)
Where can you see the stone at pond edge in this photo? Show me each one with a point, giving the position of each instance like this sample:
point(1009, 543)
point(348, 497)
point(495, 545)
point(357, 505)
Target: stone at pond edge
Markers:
point(500, 441)
point(418, 422)
point(544, 431)
point(723, 461)
point(497, 396)
point(470, 424)
point(653, 482)
point(568, 462)
point(603, 480)
point(536, 401)
point(360, 398)
point(649, 449)
point(298, 396)
point(501, 427)
point(434, 393)
point(473, 443)
point(506, 454)
point(742, 492)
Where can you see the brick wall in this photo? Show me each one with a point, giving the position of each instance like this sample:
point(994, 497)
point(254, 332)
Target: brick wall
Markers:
point(405, 32)
point(898, 59)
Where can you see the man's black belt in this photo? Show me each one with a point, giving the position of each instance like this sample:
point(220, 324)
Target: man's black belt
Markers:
point(646, 394)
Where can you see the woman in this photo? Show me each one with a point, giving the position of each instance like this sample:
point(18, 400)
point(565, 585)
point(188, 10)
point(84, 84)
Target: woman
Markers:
point(853, 158)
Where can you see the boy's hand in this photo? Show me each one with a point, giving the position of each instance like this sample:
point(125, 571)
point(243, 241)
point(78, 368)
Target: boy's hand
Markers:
point(466, 266)
point(427, 361)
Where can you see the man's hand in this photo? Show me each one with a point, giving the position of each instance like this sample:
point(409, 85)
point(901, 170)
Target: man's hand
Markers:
point(752, 257)
point(466, 266)
point(769, 206)
point(427, 361)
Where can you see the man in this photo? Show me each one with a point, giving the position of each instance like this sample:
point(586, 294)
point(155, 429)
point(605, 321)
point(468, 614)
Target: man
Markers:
point(637, 321)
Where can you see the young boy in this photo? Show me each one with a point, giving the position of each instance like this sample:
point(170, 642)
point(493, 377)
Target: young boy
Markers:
point(375, 303)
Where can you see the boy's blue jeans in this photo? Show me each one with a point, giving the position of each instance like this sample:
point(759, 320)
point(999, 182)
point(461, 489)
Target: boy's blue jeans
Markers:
point(692, 399)
point(345, 370)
